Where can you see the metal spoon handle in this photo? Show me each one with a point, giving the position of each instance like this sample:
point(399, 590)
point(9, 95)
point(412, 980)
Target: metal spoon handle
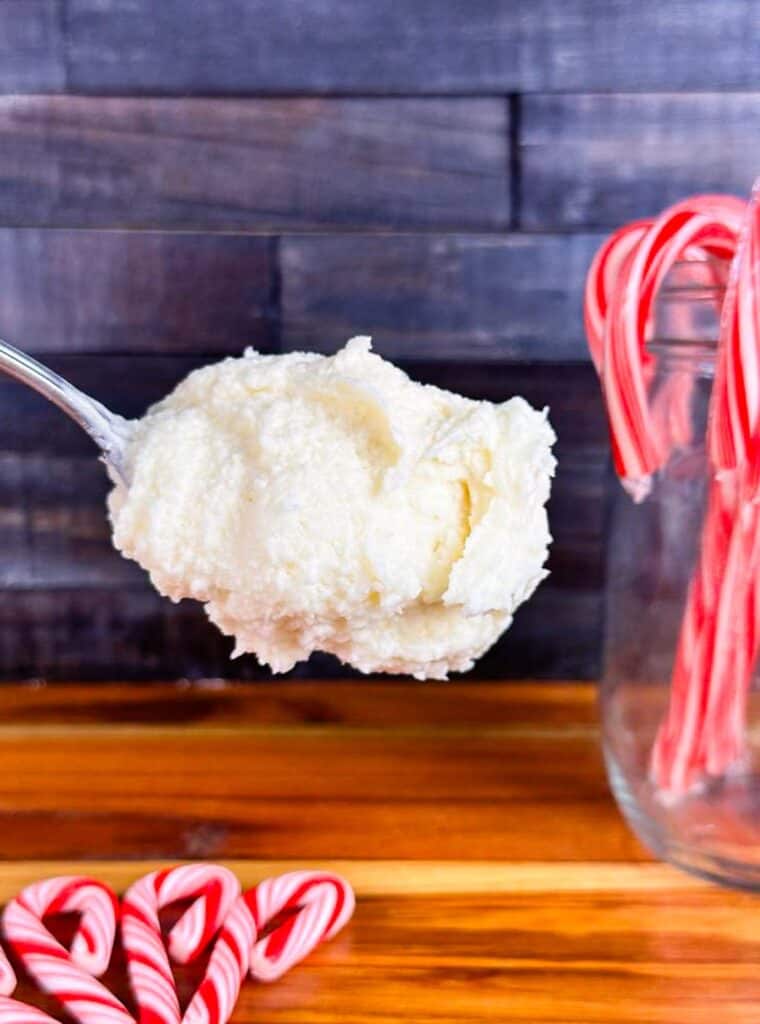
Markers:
point(108, 430)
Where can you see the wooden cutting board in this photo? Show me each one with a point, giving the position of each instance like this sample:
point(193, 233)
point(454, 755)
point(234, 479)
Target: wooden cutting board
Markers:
point(494, 876)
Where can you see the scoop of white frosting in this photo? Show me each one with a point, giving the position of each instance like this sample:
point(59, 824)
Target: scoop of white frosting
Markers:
point(331, 503)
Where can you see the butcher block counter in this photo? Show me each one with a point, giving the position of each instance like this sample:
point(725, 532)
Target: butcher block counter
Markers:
point(495, 879)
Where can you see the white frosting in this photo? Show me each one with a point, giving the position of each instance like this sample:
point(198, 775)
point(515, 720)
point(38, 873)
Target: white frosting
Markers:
point(333, 504)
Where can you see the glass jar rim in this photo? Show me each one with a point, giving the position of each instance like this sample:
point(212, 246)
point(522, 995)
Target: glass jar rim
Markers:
point(697, 278)
point(698, 281)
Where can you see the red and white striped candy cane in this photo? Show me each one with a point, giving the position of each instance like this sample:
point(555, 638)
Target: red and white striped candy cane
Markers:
point(92, 945)
point(14, 1012)
point(214, 890)
point(671, 417)
point(734, 428)
point(730, 641)
point(734, 448)
point(621, 285)
point(228, 965)
point(217, 889)
point(11, 1010)
point(318, 905)
point(7, 976)
point(708, 222)
point(704, 729)
point(677, 758)
point(68, 974)
point(603, 278)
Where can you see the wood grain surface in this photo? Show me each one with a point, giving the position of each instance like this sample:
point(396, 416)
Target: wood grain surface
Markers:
point(291, 770)
point(137, 291)
point(464, 298)
point(254, 163)
point(182, 179)
point(32, 46)
point(297, 791)
point(128, 384)
point(430, 46)
point(513, 298)
point(99, 632)
point(600, 160)
point(495, 879)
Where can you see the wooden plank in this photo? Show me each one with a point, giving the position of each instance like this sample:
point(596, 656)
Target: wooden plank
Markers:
point(429, 46)
point(518, 707)
point(420, 296)
point(439, 297)
point(31, 46)
point(556, 635)
point(128, 632)
point(305, 794)
point(563, 925)
point(129, 384)
point(94, 633)
point(511, 921)
point(385, 878)
point(570, 391)
point(53, 526)
point(612, 958)
point(577, 514)
point(89, 291)
point(597, 161)
point(126, 384)
point(259, 164)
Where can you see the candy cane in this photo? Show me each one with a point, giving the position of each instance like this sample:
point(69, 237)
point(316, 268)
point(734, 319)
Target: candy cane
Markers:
point(678, 759)
point(734, 429)
point(602, 279)
point(97, 904)
point(729, 634)
point(68, 974)
point(319, 905)
point(214, 890)
point(11, 1010)
point(734, 448)
point(217, 994)
point(315, 907)
point(14, 1012)
point(7, 976)
point(708, 222)
point(621, 285)
point(316, 904)
point(704, 729)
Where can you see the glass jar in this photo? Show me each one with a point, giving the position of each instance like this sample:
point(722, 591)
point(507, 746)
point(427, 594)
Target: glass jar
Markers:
point(713, 828)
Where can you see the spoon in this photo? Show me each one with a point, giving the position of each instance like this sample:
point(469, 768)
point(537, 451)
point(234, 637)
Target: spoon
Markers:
point(110, 432)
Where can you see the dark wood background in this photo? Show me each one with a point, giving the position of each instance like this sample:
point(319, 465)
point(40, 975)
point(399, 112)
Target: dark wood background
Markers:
point(181, 179)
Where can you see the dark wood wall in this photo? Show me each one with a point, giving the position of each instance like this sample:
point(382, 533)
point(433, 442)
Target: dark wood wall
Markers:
point(181, 178)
